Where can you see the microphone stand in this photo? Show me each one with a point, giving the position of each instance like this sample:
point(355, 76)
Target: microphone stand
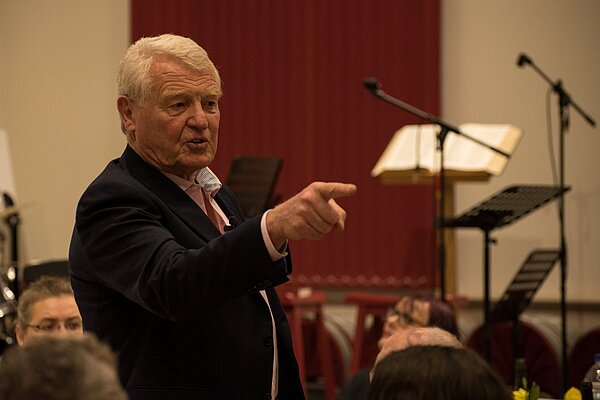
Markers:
point(375, 88)
point(13, 220)
point(564, 101)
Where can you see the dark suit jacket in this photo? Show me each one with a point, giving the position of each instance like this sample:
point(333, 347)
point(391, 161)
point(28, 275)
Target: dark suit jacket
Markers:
point(176, 300)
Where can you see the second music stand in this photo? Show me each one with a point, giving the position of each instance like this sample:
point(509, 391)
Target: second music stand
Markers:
point(520, 291)
point(499, 210)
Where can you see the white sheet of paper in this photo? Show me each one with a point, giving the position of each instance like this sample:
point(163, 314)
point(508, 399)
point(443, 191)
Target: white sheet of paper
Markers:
point(7, 180)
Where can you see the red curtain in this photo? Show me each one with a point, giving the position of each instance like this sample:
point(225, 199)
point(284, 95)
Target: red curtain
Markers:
point(293, 76)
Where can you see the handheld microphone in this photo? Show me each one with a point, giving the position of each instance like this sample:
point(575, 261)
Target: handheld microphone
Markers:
point(523, 59)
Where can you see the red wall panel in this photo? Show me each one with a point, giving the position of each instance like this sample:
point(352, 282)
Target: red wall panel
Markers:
point(293, 73)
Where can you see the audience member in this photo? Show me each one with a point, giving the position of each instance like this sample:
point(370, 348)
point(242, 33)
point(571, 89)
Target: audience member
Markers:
point(424, 336)
point(47, 307)
point(412, 311)
point(436, 373)
point(409, 312)
point(60, 368)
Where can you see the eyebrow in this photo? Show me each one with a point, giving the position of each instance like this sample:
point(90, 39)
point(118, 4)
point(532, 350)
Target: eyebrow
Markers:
point(170, 94)
point(74, 317)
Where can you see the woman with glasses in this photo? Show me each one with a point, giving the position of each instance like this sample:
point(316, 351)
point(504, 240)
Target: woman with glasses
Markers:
point(47, 307)
point(409, 312)
point(419, 311)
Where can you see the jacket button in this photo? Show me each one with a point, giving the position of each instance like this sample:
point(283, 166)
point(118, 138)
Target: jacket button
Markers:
point(268, 341)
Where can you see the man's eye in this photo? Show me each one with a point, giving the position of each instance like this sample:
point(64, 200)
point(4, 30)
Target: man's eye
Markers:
point(210, 104)
point(47, 327)
point(73, 325)
point(178, 105)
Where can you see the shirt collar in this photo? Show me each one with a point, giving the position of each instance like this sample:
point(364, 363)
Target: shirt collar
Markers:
point(204, 178)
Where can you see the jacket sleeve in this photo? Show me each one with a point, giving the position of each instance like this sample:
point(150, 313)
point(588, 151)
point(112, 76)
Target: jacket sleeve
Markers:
point(137, 245)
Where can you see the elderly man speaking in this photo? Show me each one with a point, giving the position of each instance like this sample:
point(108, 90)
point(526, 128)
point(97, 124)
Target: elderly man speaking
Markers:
point(189, 307)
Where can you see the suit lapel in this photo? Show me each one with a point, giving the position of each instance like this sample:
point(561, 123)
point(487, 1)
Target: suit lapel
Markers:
point(226, 200)
point(170, 194)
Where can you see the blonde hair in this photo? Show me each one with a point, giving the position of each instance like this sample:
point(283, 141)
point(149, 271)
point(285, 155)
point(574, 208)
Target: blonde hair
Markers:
point(133, 80)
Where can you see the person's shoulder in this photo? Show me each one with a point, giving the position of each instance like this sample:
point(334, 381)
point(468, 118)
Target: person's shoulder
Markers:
point(115, 184)
point(114, 174)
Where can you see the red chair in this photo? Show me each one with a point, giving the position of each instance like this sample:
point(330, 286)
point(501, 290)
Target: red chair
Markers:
point(582, 356)
point(364, 348)
point(295, 308)
point(339, 342)
point(541, 358)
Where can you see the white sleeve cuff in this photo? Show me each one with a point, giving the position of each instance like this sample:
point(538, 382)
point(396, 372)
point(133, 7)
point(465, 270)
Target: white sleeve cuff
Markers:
point(276, 254)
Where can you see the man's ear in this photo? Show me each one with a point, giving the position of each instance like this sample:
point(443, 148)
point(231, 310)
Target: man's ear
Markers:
point(20, 335)
point(126, 114)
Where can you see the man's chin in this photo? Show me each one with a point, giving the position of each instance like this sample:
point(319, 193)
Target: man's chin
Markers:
point(196, 162)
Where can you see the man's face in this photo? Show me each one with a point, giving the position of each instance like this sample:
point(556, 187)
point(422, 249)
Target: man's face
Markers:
point(52, 316)
point(176, 129)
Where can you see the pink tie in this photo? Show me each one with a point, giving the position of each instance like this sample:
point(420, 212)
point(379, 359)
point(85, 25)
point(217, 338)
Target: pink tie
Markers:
point(211, 213)
point(201, 198)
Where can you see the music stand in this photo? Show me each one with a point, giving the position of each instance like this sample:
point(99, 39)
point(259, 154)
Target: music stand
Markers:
point(524, 285)
point(499, 210)
point(253, 180)
point(520, 292)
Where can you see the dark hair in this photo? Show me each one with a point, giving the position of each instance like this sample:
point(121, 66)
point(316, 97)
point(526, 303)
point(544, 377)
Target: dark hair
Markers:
point(441, 314)
point(436, 373)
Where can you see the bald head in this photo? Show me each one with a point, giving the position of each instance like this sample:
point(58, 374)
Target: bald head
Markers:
point(423, 336)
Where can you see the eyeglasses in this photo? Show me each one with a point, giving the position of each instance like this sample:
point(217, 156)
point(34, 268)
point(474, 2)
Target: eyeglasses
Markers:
point(403, 319)
point(52, 325)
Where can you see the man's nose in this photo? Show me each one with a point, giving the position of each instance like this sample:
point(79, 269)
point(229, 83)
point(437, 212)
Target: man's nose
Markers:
point(197, 117)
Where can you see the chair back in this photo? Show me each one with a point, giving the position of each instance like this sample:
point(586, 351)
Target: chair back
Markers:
point(540, 355)
point(36, 269)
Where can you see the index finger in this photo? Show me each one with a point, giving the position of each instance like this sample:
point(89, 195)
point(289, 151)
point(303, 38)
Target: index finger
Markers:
point(333, 190)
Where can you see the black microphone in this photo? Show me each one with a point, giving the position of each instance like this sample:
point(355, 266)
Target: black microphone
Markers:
point(8, 201)
point(13, 218)
point(373, 85)
point(523, 59)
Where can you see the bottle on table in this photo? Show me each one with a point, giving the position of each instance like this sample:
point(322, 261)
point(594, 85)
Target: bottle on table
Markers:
point(590, 387)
